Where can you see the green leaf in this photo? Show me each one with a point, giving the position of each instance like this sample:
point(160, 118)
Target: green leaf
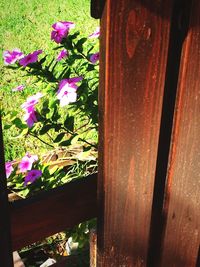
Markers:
point(19, 124)
point(56, 116)
point(78, 57)
point(53, 103)
point(24, 192)
point(68, 43)
point(43, 60)
point(45, 129)
point(79, 44)
point(59, 137)
point(7, 126)
point(45, 110)
point(66, 142)
point(73, 36)
point(90, 67)
point(69, 123)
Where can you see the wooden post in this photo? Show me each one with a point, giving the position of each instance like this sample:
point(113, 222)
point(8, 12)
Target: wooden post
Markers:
point(134, 49)
point(6, 258)
point(182, 205)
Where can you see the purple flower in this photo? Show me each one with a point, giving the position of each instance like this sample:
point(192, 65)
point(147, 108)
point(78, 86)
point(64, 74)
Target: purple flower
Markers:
point(18, 88)
point(29, 108)
point(27, 162)
point(96, 33)
point(61, 30)
point(30, 58)
point(63, 53)
point(10, 57)
point(67, 91)
point(32, 176)
point(94, 58)
point(31, 101)
point(9, 169)
point(30, 117)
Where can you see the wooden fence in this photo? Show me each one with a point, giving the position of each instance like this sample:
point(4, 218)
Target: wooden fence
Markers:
point(148, 200)
point(149, 106)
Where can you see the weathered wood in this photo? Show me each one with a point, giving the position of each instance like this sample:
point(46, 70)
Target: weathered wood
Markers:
point(134, 48)
point(178, 31)
point(182, 206)
point(6, 258)
point(53, 211)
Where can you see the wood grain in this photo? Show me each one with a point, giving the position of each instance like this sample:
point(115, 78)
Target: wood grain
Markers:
point(182, 206)
point(134, 48)
point(53, 211)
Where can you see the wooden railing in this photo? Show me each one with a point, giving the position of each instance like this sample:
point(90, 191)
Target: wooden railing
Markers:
point(54, 211)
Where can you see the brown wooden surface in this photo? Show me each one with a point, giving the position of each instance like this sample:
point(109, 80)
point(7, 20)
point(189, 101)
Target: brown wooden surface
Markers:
point(182, 206)
point(134, 48)
point(53, 211)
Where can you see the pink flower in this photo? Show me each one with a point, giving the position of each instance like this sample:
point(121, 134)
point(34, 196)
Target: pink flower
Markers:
point(94, 58)
point(18, 88)
point(63, 54)
point(30, 117)
point(27, 162)
point(29, 108)
point(10, 57)
point(61, 30)
point(9, 169)
point(32, 176)
point(96, 33)
point(30, 58)
point(67, 91)
point(31, 101)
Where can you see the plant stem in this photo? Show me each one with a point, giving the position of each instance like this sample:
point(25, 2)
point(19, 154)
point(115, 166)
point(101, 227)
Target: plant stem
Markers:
point(34, 135)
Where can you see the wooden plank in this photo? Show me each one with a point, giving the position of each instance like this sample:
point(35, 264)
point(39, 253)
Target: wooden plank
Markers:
point(134, 47)
point(6, 258)
point(178, 31)
point(182, 206)
point(53, 211)
point(96, 8)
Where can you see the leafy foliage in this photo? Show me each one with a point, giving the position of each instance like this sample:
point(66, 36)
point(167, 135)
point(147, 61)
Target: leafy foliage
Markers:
point(64, 111)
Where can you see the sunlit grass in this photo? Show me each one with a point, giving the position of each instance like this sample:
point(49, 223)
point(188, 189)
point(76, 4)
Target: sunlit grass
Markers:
point(27, 25)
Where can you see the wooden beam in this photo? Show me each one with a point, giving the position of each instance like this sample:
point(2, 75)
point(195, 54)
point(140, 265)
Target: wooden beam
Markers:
point(134, 49)
point(182, 206)
point(50, 212)
point(6, 258)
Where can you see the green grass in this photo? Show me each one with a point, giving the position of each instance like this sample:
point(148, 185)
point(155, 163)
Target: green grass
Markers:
point(27, 25)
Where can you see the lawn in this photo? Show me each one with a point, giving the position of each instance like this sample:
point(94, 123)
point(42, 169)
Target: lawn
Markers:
point(27, 25)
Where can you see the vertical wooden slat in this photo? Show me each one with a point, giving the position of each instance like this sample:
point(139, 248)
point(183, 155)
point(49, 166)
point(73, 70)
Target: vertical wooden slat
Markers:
point(178, 32)
point(6, 258)
point(182, 205)
point(134, 48)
